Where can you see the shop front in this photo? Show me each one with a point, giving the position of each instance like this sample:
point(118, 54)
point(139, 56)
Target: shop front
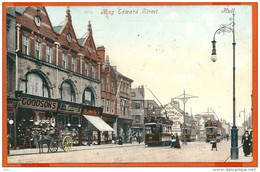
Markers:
point(34, 115)
point(12, 105)
point(93, 126)
point(107, 136)
point(69, 120)
point(124, 128)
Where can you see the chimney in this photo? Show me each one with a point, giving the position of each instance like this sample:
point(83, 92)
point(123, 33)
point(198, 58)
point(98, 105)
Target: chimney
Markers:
point(142, 91)
point(176, 103)
point(101, 53)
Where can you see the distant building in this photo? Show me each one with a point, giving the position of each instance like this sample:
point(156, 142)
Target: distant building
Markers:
point(175, 114)
point(123, 107)
point(138, 96)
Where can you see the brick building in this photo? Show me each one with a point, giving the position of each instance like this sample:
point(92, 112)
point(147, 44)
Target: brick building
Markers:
point(56, 79)
point(123, 106)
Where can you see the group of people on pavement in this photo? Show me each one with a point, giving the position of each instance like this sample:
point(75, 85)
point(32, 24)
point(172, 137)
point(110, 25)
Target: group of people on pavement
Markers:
point(175, 141)
point(247, 141)
point(119, 139)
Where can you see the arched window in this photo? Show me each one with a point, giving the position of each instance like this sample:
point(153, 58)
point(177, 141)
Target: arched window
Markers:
point(67, 92)
point(88, 97)
point(36, 85)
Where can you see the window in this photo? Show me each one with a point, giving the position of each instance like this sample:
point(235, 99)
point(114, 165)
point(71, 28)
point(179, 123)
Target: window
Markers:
point(37, 49)
point(103, 102)
point(64, 60)
point(93, 71)
point(112, 106)
point(107, 83)
point(121, 106)
point(137, 119)
point(137, 106)
point(88, 97)
point(35, 85)
point(86, 68)
point(25, 44)
point(108, 105)
point(112, 87)
point(127, 87)
point(102, 84)
point(48, 53)
point(124, 107)
point(73, 64)
point(67, 92)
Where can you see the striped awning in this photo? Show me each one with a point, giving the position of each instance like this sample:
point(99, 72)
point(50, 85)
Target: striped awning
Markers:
point(98, 123)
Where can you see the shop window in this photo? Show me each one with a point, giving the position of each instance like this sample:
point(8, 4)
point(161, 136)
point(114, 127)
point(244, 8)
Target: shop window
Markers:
point(35, 85)
point(67, 92)
point(48, 53)
point(25, 44)
point(88, 97)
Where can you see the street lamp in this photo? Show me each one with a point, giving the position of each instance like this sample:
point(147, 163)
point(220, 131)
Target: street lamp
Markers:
point(244, 111)
point(234, 132)
point(184, 98)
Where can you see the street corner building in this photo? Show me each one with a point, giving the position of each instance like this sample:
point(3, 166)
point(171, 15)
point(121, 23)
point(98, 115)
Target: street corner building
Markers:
point(59, 84)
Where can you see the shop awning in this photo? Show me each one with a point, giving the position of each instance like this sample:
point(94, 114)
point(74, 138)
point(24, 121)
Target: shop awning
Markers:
point(98, 123)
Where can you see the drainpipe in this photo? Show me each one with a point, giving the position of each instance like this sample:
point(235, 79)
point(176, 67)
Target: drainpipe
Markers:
point(57, 70)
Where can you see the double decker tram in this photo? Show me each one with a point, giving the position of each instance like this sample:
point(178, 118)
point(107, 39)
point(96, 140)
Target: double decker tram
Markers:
point(158, 132)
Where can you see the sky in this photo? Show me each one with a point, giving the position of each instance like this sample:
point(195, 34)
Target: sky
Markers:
point(169, 51)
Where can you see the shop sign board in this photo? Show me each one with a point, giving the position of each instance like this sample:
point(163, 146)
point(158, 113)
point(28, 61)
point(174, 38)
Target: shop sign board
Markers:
point(39, 104)
point(70, 108)
point(94, 112)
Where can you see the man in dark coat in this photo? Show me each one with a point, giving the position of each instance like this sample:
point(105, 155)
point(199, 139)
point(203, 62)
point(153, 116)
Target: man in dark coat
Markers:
point(246, 143)
point(251, 142)
point(214, 144)
point(173, 141)
point(177, 142)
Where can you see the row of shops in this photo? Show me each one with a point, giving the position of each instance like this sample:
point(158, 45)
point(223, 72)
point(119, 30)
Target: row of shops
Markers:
point(28, 114)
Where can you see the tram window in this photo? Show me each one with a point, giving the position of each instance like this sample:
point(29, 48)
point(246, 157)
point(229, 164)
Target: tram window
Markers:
point(148, 130)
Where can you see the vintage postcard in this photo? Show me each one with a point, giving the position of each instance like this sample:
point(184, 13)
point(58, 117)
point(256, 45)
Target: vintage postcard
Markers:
point(128, 84)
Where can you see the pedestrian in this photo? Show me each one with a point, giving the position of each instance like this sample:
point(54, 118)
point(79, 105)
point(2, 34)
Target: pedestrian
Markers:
point(114, 138)
point(177, 142)
point(227, 137)
point(120, 140)
point(138, 137)
point(251, 142)
point(246, 143)
point(214, 143)
point(173, 141)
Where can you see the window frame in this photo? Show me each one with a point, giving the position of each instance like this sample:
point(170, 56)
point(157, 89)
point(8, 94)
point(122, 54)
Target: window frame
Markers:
point(48, 49)
point(64, 59)
point(37, 48)
point(27, 50)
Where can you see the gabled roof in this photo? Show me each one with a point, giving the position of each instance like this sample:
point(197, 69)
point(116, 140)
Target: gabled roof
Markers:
point(57, 29)
point(123, 76)
point(138, 95)
point(20, 9)
point(81, 40)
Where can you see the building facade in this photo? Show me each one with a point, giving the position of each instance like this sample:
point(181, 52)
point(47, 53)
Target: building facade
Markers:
point(56, 79)
point(138, 106)
point(123, 107)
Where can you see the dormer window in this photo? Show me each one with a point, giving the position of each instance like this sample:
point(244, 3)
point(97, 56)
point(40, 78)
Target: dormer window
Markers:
point(89, 48)
point(68, 37)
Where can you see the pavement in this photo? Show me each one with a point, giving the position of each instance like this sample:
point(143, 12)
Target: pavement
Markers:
point(241, 157)
point(18, 152)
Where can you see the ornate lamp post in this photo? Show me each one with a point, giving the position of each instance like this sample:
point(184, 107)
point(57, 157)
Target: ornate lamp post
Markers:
point(184, 98)
point(234, 132)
